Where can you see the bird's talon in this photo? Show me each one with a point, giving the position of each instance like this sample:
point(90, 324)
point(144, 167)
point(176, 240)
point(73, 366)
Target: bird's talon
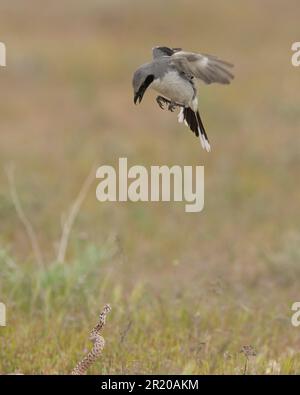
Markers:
point(172, 107)
point(161, 102)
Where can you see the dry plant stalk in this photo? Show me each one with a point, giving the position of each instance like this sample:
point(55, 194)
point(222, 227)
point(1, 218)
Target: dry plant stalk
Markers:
point(95, 336)
point(248, 352)
point(74, 210)
point(22, 216)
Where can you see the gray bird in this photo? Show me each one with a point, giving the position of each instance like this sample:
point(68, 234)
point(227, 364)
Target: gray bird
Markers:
point(172, 73)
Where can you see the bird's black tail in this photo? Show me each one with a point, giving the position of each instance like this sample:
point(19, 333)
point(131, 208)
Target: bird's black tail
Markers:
point(193, 121)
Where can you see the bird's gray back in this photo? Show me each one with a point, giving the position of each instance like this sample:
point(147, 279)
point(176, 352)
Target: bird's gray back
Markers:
point(161, 66)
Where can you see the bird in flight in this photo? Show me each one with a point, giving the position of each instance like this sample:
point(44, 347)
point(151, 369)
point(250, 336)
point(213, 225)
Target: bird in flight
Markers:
point(172, 73)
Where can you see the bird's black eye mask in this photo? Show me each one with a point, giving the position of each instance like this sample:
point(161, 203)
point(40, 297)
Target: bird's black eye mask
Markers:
point(140, 93)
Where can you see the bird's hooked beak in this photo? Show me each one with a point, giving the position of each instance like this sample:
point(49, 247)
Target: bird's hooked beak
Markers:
point(140, 93)
point(138, 97)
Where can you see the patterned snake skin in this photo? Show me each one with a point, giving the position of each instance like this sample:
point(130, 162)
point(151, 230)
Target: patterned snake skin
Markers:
point(98, 346)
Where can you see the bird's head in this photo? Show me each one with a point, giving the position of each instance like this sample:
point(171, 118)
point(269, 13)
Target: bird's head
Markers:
point(142, 78)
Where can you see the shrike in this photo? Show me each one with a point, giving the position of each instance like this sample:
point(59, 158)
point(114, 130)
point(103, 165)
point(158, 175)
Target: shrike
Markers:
point(172, 73)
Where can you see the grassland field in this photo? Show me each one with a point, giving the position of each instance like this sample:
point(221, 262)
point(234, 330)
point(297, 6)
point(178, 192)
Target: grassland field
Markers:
point(187, 290)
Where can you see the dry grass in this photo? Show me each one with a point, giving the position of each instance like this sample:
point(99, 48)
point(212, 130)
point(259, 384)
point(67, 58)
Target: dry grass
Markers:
point(188, 290)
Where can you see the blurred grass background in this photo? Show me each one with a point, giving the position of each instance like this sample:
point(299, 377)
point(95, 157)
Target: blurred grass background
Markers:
point(187, 290)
